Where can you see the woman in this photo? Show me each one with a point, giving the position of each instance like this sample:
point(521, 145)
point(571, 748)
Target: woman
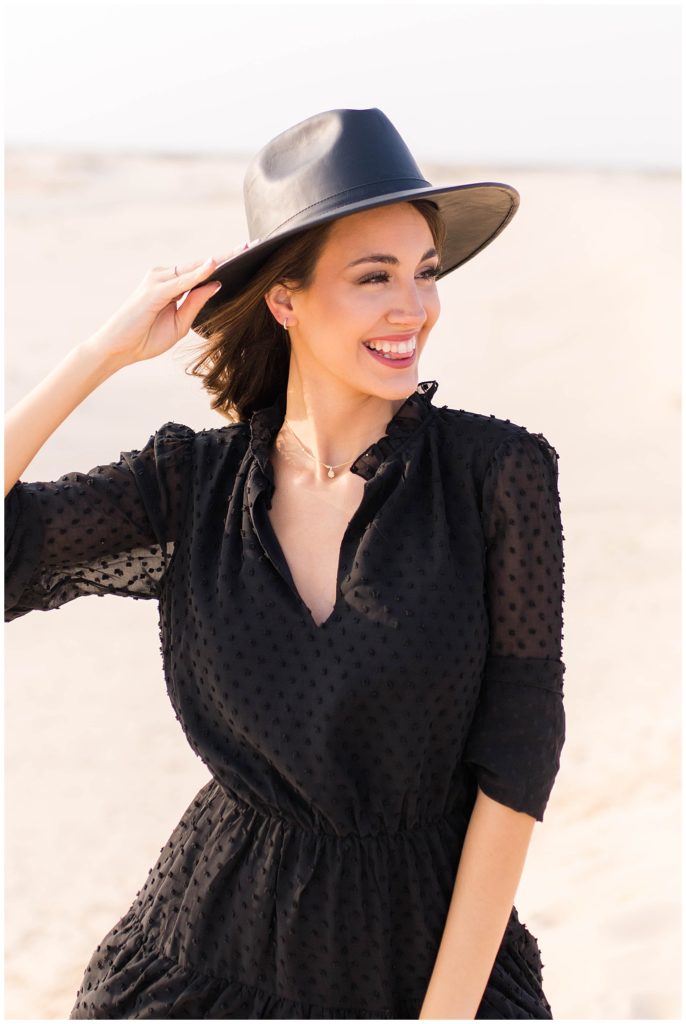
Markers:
point(360, 599)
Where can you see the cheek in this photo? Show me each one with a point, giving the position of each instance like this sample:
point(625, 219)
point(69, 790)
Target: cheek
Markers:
point(433, 307)
point(341, 299)
point(355, 307)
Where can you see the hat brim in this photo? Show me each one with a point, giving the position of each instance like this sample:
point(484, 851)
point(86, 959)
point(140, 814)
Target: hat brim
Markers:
point(474, 215)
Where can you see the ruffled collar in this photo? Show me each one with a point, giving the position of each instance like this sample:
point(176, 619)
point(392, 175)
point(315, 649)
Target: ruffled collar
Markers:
point(265, 424)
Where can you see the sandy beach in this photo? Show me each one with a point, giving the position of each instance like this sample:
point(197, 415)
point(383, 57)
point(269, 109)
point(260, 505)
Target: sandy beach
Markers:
point(567, 324)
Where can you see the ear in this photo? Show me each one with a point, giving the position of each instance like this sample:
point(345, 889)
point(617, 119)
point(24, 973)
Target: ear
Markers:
point(278, 300)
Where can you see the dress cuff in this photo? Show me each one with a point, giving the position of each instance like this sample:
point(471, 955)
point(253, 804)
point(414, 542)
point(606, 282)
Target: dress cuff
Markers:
point(23, 543)
point(518, 731)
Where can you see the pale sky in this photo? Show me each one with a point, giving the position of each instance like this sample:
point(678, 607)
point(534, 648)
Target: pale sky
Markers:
point(583, 85)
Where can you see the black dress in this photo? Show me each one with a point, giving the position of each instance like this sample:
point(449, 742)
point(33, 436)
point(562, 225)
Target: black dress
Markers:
point(311, 876)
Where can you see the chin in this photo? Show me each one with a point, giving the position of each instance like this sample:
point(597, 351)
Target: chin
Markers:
point(403, 383)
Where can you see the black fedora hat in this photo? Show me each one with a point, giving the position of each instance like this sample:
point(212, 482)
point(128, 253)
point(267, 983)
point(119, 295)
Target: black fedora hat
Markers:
point(341, 162)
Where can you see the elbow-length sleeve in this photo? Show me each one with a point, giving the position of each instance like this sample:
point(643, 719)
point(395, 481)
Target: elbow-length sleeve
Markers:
point(108, 531)
point(518, 730)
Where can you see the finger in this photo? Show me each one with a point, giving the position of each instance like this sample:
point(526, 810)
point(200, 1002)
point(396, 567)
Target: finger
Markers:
point(225, 257)
point(188, 274)
point(186, 278)
point(166, 273)
point(191, 270)
point(188, 268)
point(237, 251)
point(184, 268)
point(188, 310)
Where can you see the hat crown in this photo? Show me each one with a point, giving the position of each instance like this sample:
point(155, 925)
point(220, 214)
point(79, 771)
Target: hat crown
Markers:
point(323, 163)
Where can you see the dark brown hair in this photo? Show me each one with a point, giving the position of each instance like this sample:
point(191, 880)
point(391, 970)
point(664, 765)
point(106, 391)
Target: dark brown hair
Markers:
point(245, 355)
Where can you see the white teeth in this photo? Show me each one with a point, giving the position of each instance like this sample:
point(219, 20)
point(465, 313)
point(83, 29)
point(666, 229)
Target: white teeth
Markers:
point(398, 347)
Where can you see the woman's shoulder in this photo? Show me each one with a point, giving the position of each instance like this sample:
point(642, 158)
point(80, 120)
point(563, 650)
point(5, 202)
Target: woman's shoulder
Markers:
point(179, 449)
point(482, 436)
point(220, 437)
point(481, 430)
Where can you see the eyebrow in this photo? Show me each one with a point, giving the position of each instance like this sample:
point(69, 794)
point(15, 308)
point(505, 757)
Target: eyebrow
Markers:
point(379, 257)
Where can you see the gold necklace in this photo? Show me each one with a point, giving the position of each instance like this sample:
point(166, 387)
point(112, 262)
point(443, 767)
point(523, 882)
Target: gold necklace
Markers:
point(330, 469)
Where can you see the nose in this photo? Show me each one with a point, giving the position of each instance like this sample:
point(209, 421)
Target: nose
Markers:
point(411, 313)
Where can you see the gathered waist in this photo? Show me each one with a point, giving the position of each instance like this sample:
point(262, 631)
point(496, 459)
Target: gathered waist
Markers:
point(241, 892)
point(312, 823)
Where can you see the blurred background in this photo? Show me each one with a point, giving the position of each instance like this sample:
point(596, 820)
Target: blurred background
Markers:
point(127, 132)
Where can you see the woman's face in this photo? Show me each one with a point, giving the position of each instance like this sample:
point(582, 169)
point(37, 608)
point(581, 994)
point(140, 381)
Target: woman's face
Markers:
point(353, 300)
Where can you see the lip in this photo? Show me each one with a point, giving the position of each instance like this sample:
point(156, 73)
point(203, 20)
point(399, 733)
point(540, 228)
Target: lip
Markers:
point(394, 337)
point(395, 364)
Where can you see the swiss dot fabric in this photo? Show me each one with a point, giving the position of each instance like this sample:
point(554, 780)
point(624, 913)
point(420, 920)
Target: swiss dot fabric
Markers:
point(311, 876)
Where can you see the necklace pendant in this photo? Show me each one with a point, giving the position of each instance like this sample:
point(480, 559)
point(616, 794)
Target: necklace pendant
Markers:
point(331, 473)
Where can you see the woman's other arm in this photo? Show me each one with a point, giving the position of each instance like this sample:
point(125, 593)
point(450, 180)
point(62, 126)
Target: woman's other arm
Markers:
point(516, 735)
point(490, 868)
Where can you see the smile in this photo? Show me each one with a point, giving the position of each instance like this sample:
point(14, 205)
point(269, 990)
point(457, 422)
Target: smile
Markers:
point(396, 354)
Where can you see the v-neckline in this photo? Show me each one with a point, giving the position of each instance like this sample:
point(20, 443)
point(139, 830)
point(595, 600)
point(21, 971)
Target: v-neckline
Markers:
point(305, 608)
point(271, 544)
point(266, 422)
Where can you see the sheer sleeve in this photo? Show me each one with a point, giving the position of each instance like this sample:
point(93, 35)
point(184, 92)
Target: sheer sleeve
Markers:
point(108, 531)
point(518, 729)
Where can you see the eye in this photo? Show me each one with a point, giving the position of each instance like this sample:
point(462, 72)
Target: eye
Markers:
point(431, 272)
point(375, 278)
point(382, 275)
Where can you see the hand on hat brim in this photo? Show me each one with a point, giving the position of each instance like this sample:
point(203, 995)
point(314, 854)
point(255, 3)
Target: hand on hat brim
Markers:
point(221, 261)
point(235, 252)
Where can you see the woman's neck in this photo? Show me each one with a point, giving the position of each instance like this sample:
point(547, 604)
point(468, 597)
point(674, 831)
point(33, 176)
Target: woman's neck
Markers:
point(317, 433)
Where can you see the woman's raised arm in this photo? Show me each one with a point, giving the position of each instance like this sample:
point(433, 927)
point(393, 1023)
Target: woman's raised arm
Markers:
point(111, 530)
point(145, 326)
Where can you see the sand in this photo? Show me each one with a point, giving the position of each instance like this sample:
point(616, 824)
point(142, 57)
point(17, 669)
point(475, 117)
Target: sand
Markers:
point(567, 324)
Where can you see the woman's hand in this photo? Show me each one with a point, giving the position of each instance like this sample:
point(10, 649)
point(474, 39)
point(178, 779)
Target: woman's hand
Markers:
point(149, 322)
